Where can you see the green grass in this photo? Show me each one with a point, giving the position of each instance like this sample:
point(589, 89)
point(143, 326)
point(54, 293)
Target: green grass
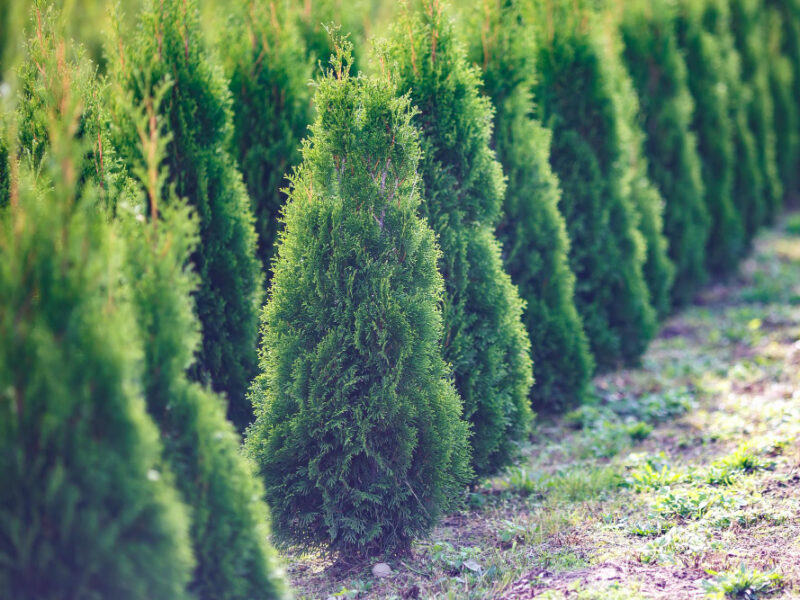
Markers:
point(742, 583)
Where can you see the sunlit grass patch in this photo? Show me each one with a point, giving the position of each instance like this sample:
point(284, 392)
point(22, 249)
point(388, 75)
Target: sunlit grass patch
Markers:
point(743, 583)
point(694, 503)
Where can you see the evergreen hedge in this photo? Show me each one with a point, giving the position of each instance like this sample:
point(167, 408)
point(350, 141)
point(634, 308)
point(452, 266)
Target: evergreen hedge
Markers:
point(659, 271)
point(269, 83)
point(711, 123)
point(649, 39)
point(747, 177)
point(749, 32)
point(531, 229)
point(86, 507)
point(358, 434)
point(575, 97)
point(785, 30)
point(462, 184)
point(780, 23)
point(168, 44)
point(5, 170)
point(230, 532)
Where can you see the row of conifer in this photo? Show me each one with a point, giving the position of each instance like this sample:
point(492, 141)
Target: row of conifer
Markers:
point(512, 198)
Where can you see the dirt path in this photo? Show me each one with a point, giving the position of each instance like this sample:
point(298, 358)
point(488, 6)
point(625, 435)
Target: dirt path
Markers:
point(682, 480)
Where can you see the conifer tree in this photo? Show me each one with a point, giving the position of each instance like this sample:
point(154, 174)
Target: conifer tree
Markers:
point(712, 125)
point(667, 107)
point(659, 271)
point(358, 432)
point(269, 83)
point(780, 23)
point(5, 172)
point(784, 26)
point(229, 532)
point(575, 96)
point(86, 507)
point(48, 59)
point(169, 44)
point(749, 31)
point(229, 520)
point(485, 340)
point(747, 179)
point(531, 228)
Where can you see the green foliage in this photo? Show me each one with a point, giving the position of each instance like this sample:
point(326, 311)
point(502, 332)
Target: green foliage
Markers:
point(784, 23)
point(659, 75)
point(726, 470)
point(269, 83)
point(484, 338)
point(750, 35)
point(692, 503)
point(86, 506)
point(576, 98)
point(168, 45)
point(652, 476)
point(532, 230)
point(781, 22)
point(229, 529)
point(358, 433)
point(659, 271)
point(5, 172)
point(711, 123)
point(742, 583)
point(229, 532)
point(748, 181)
point(50, 73)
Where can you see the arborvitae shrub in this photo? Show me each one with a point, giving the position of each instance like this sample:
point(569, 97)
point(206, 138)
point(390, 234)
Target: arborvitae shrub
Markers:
point(747, 178)
point(659, 75)
point(485, 340)
point(712, 125)
point(86, 509)
point(575, 97)
point(749, 31)
point(785, 30)
point(168, 44)
point(531, 228)
point(269, 82)
point(358, 431)
point(5, 170)
point(659, 271)
point(229, 529)
point(230, 532)
point(779, 24)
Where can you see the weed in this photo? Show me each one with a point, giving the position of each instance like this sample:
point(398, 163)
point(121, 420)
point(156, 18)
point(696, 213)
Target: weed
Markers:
point(509, 533)
point(743, 460)
point(745, 519)
point(454, 561)
point(650, 528)
point(524, 482)
point(649, 476)
point(742, 583)
point(580, 484)
point(693, 503)
point(676, 542)
point(639, 430)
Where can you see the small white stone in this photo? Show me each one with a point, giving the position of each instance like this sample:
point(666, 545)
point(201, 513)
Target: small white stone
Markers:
point(381, 570)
